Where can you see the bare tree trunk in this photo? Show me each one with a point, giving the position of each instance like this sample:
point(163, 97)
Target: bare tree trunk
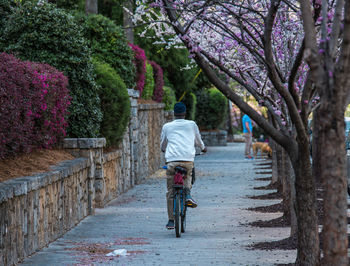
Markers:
point(286, 186)
point(280, 168)
point(127, 20)
point(274, 178)
point(333, 176)
point(91, 6)
point(229, 122)
point(308, 239)
point(293, 214)
point(316, 147)
point(289, 194)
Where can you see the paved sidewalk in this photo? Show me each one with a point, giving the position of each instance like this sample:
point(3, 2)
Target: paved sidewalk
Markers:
point(216, 234)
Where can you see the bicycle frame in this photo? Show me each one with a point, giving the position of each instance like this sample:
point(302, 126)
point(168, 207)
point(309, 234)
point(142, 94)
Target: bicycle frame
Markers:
point(179, 200)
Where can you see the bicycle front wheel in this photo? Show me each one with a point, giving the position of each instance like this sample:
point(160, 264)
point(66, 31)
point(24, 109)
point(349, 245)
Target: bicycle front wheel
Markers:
point(177, 217)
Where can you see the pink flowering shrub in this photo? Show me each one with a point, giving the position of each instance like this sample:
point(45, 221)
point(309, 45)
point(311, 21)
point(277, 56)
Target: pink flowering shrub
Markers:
point(140, 65)
point(158, 82)
point(33, 105)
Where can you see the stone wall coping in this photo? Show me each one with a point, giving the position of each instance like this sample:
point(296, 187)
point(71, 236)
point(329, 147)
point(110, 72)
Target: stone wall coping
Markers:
point(110, 156)
point(151, 106)
point(84, 143)
point(219, 132)
point(23, 185)
point(238, 138)
point(134, 93)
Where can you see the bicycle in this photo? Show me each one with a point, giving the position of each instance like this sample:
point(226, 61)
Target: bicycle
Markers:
point(179, 199)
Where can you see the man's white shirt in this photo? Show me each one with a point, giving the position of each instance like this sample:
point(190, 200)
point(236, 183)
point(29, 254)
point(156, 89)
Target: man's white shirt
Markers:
point(179, 138)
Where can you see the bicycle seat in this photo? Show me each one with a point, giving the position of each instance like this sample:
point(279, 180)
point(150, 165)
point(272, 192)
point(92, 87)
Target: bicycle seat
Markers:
point(180, 169)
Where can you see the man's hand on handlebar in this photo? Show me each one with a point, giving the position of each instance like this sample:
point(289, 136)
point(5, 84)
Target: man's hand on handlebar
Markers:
point(205, 149)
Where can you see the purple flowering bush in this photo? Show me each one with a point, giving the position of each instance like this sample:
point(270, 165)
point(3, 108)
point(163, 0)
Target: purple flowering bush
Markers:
point(33, 105)
point(140, 65)
point(158, 82)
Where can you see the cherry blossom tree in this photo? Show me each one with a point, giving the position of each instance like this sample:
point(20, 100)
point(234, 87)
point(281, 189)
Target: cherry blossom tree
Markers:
point(261, 45)
point(327, 52)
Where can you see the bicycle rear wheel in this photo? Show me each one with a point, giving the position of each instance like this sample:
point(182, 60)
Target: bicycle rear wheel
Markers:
point(177, 214)
point(183, 220)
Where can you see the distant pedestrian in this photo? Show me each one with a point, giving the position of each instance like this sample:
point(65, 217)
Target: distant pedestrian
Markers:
point(247, 130)
point(261, 138)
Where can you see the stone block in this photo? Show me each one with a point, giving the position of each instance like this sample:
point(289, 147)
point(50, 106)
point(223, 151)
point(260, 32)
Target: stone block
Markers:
point(6, 192)
point(90, 143)
point(41, 180)
point(238, 138)
point(70, 143)
point(214, 138)
point(133, 93)
point(33, 183)
point(19, 187)
point(55, 176)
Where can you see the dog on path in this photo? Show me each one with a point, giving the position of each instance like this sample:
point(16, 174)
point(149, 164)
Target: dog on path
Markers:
point(263, 147)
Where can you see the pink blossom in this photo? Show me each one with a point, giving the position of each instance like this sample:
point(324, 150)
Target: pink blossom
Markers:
point(29, 113)
point(43, 106)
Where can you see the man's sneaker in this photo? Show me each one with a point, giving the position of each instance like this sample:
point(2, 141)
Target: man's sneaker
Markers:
point(190, 202)
point(170, 225)
point(249, 157)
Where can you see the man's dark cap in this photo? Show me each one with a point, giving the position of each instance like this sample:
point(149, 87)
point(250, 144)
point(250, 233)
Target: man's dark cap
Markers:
point(179, 108)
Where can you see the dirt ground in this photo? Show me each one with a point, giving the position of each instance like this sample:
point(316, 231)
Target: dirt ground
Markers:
point(29, 164)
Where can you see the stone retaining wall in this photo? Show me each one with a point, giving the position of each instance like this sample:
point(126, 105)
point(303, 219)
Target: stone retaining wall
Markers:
point(151, 119)
point(36, 210)
point(214, 138)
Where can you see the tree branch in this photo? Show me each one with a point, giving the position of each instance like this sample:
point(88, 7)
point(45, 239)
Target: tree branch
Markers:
point(283, 140)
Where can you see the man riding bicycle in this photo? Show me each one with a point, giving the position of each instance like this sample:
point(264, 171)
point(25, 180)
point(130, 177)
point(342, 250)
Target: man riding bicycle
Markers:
point(178, 140)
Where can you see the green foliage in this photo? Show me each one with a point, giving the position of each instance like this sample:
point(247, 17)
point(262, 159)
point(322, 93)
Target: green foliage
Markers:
point(113, 9)
point(107, 41)
point(347, 111)
point(70, 4)
point(6, 7)
point(257, 131)
point(211, 109)
point(147, 92)
point(169, 98)
point(171, 61)
point(51, 36)
point(190, 100)
point(115, 102)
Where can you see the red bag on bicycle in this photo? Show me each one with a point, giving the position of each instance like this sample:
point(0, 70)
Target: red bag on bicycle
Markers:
point(178, 179)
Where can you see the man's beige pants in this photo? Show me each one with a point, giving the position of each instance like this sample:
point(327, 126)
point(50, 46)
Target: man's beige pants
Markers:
point(248, 143)
point(170, 182)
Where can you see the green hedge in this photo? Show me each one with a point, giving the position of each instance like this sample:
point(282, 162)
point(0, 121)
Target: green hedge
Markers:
point(190, 100)
point(107, 41)
point(115, 102)
point(5, 10)
point(148, 89)
point(169, 98)
point(211, 109)
point(112, 9)
point(50, 35)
